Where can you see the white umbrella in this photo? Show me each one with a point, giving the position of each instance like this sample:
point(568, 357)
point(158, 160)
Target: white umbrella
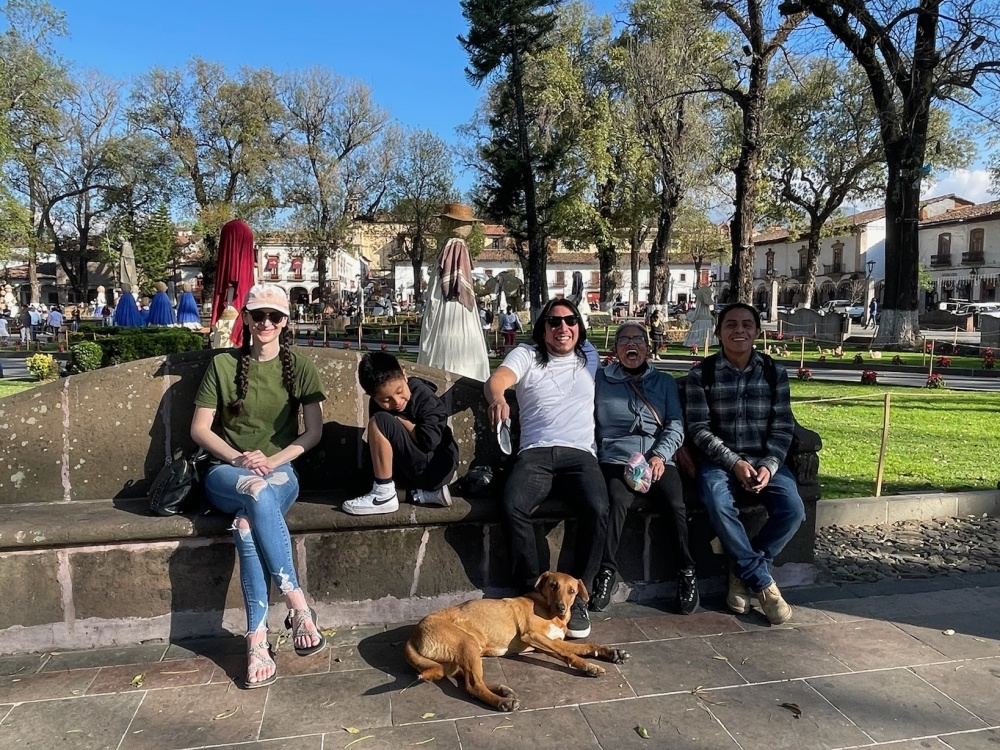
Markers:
point(502, 301)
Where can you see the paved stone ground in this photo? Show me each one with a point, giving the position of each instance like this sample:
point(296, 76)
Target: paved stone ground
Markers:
point(909, 549)
point(893, 664)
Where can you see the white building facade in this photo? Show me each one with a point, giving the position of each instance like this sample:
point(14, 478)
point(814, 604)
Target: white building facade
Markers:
point(960, 248)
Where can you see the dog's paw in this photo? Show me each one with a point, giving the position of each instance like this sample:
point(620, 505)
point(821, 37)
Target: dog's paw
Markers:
point(593, 670)
point(510, 704)
point(619, 655)
point(505, 691)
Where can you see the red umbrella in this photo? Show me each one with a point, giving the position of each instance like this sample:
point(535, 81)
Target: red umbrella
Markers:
point(234, 272)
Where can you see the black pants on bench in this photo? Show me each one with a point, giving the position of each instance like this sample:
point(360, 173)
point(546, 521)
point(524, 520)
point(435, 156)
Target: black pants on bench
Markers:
point(578, 477)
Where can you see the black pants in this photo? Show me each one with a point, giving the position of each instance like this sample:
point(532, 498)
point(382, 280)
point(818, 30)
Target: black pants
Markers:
point(578, 476)
point(413, 467)
point(666, 492)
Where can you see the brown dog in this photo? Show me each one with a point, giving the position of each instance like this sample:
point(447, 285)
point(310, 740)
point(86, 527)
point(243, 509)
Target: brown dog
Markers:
point(453, 641)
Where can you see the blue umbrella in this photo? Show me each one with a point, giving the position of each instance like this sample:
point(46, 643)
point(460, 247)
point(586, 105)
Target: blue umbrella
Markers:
point(127, 312)
point(161, 312)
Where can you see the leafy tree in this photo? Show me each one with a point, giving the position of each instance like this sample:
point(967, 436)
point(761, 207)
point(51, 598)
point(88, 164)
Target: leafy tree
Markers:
point(155, 247)
point(334, 158)
point(32, 84)
point(912, 54)
point(826, 149)
point(755, 45)
point(667, 43)
point(422, 183)
point(502, 34)
point(223, 134)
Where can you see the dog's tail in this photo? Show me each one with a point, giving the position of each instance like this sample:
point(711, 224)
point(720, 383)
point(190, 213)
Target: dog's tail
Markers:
point(429, 670)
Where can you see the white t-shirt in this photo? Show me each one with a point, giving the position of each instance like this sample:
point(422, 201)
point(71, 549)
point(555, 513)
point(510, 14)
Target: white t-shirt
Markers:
point(556, 402)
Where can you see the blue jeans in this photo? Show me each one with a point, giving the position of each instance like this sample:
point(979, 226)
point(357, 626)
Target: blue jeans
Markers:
point(578, 475)
point(266, 547)
point(785, 513)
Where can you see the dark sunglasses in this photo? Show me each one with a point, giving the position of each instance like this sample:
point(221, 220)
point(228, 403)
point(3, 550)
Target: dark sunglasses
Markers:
point(258, 316)
point(553, 321)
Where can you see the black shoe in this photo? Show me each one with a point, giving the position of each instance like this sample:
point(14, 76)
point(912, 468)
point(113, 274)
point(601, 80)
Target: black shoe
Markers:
point(687, 591)
point(579, 620)
point(600, 594)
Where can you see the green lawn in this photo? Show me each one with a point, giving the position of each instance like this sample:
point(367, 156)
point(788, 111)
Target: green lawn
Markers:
point(9, 387)
point(938, 440)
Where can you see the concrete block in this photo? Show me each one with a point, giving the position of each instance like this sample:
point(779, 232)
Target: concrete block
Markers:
point(855, 511)
point(920, 507)
point(452, 560)
point(979, 503)
point(360, 565)
point(31, 591)
point(152, 580)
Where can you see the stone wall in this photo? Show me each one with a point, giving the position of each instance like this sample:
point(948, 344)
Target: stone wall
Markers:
point(105, 434)
point(943, 320)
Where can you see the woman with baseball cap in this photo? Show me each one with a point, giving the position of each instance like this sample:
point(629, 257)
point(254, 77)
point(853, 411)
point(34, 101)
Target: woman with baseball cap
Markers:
point(256, 391)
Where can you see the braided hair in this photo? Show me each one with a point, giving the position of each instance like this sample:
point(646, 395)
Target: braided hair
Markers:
point(243, 369)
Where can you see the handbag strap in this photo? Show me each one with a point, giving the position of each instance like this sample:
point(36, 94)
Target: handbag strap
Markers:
point(641, 395)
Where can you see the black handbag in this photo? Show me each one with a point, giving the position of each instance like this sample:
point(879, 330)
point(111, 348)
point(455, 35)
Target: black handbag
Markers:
point(177, 487)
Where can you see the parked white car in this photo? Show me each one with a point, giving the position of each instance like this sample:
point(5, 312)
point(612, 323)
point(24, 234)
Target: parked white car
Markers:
point(843, 306)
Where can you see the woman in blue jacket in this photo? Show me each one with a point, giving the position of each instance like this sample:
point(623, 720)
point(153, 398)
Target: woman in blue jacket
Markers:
point(638, 410)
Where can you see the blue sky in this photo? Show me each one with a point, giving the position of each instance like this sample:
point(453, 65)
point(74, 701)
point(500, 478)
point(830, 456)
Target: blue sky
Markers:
point(405, 50)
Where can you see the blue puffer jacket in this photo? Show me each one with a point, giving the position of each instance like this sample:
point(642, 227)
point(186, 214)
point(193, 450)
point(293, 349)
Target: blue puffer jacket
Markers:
point(625, 424)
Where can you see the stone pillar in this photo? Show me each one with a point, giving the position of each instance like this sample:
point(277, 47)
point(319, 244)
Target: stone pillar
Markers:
point(773, 311)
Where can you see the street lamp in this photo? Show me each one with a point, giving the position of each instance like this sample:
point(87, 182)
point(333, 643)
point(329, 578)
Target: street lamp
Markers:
point(974, 274)
point(871, 268)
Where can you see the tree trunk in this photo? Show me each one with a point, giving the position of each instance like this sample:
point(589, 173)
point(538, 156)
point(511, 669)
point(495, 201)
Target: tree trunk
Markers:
point(538, 291)
point(634, 248)
point(898, 324)
point(417, 264)
point(812, 262)
point(658, 268)
point(607, 259)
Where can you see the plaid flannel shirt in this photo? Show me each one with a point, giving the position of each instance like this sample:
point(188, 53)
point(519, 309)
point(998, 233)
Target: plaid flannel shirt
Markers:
point(737, 418)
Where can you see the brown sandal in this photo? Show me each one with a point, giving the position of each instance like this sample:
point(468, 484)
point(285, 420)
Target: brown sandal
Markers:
point(297, 617)
point(256, 659)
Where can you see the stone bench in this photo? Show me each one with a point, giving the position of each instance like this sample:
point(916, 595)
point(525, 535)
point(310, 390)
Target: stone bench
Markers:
point(81, 563)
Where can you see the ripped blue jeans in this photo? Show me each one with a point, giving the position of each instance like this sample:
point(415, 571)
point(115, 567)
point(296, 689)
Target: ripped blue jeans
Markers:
point(266, 547)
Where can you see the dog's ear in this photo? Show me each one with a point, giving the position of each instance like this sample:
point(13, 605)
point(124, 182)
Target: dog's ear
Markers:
point(542, 580)
point(581, 591)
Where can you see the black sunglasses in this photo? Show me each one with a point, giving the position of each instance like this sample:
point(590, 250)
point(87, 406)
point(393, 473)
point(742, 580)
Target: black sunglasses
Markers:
point(258, 316)
point(553, 321)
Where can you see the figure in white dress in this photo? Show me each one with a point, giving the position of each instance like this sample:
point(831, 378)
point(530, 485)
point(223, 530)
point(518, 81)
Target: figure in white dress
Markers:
point(451, 336)
point(702, 324)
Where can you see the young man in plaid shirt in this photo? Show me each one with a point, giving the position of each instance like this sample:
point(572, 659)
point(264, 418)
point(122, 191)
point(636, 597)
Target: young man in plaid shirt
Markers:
point(741, 421)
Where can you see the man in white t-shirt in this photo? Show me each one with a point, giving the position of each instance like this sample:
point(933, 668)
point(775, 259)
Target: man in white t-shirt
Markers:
point(554, 382)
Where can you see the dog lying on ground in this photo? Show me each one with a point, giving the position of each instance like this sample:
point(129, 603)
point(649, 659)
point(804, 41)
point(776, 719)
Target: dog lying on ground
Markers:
point(453, 641)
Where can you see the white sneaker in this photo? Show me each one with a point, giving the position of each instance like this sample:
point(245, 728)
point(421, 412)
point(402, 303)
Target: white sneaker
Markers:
point(371, 504)
point(441, 497)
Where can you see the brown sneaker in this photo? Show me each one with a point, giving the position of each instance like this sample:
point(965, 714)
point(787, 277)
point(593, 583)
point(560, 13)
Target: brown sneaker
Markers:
point(776, 609)
point(738, 599)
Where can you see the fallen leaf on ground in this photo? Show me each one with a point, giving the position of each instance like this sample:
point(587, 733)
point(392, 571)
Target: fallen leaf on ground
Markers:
point(359, 739)
point(226, 714)
point(721, 658)
point(183, 671)
point(352, 730)
point(794, 708)
point(423, 742)
point(428, 715)
point(137, 680)
point(503, 726)
point(328, 633)
point(641, 731)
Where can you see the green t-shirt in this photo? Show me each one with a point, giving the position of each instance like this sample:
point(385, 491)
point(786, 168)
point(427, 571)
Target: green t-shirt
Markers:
point(268, 422)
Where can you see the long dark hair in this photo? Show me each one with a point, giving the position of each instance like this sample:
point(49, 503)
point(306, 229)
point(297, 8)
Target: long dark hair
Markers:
point(538, 332)
point(243, 369)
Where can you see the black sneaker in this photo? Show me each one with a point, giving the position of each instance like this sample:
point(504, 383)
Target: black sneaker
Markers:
point(687, 591)
point(579, 620)
point(600, 593)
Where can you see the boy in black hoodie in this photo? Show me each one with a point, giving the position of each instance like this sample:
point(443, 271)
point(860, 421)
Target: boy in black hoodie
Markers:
point(408, 436)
